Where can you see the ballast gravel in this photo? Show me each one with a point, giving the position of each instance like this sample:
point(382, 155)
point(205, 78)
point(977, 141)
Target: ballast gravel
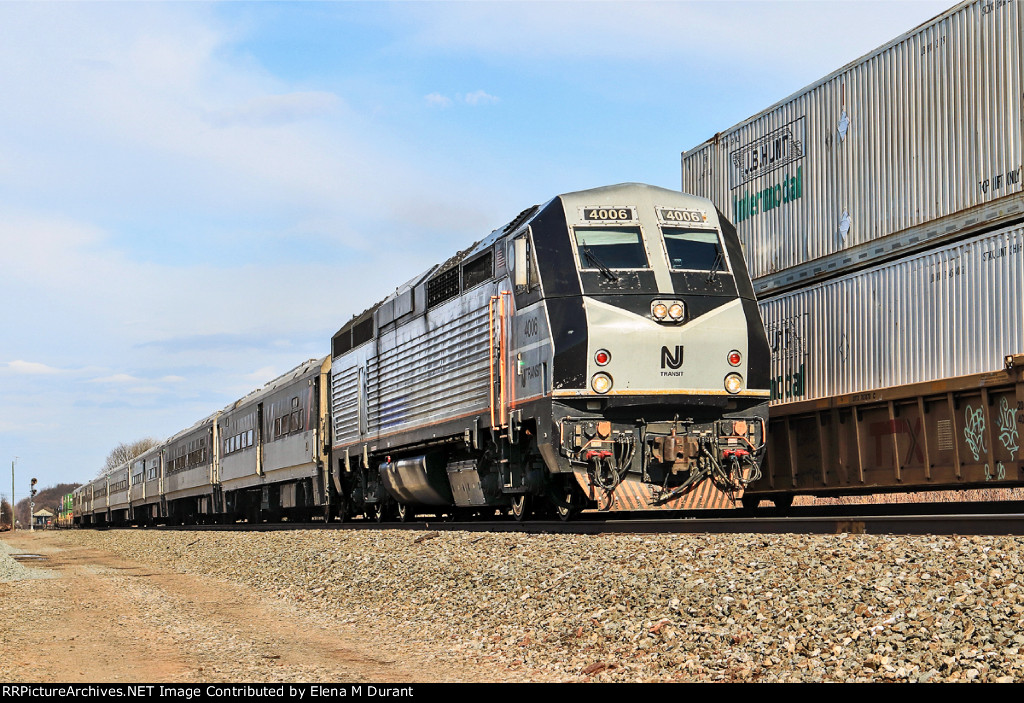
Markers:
point(641, 608)
point(12, 570)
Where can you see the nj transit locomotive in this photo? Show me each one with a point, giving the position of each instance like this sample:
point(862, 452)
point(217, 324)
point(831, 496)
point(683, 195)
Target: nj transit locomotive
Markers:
point(603, 350)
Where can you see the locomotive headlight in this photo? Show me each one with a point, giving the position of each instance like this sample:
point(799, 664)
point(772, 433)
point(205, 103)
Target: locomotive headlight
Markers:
point(668, 310)
point(734, 383)
point(735, 358)
point(601, 382)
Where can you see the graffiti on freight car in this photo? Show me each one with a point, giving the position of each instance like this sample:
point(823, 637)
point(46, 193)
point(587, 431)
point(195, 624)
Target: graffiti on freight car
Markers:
point(974, 431)
point(1000, 472)
point(1008, 428)
point(998, 181)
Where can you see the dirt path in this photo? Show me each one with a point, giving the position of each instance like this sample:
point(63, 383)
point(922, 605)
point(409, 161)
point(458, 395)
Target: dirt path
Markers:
point(104, 619)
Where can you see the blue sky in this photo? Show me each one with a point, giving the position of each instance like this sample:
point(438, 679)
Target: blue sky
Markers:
point(194, 197)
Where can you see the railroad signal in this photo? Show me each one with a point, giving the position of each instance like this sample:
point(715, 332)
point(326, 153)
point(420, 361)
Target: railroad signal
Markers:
point(32, 505)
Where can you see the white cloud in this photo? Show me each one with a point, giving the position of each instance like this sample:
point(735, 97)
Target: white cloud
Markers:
point(146, 390)
point(276, 110)
point(33, 368)
point(120, 378)
point(437, 100)
point(479, 97)
point(262, 374)
point(148, 112)
point(738, 34)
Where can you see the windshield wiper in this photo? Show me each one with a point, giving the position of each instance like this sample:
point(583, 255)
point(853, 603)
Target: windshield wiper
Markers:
point(713, 273)
point(592, 258)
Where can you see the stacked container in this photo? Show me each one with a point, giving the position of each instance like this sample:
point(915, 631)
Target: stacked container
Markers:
point(878, 209)
point(882, 214)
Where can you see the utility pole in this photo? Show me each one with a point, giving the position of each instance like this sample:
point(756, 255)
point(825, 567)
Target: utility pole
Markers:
point(14, 513)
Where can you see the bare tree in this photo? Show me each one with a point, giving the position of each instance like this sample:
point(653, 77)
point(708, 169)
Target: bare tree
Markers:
point(125, 452)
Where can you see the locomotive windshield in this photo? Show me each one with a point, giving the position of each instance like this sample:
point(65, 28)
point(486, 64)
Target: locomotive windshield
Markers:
point(610, 247)
point(694, 249)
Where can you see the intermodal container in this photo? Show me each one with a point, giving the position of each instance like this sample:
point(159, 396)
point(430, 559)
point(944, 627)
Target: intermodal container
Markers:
point(916, 143)
point(950, 311)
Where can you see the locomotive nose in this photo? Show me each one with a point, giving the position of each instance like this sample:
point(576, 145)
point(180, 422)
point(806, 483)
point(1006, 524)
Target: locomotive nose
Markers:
point(635, 353)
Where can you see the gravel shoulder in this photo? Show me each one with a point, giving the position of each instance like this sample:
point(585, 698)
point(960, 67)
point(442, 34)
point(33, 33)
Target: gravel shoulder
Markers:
point(423, 606)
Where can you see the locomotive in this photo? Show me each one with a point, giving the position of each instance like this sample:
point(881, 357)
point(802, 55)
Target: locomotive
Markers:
point(603, 350)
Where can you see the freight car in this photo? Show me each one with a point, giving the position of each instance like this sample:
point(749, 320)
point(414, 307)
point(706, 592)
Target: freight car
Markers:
point(602, 350)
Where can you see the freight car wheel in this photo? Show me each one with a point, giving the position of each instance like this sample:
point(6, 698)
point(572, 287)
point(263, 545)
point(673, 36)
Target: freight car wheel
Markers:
point(520, 507)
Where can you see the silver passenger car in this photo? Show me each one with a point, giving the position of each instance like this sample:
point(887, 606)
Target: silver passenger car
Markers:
point(274, 446)
point(145, 490)
point(190, 488)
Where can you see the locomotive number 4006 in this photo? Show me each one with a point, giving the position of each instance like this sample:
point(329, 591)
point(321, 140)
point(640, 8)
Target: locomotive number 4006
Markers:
point(605, 214)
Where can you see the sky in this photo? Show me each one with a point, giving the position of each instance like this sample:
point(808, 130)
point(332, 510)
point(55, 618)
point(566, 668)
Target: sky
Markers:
point(195, 196)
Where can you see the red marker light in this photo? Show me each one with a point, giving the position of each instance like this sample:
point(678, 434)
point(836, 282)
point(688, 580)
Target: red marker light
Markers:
point(735, 358)
point(602, 357)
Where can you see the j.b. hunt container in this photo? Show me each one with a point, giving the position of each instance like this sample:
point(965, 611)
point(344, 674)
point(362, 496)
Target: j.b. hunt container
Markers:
point(903, 376)
point(913, 144)
point(951, 311)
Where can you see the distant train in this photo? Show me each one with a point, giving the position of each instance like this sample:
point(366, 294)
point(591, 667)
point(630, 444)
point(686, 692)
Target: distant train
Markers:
point(601, 351)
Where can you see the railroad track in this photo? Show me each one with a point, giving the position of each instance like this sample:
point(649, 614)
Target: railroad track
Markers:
point(899, 519)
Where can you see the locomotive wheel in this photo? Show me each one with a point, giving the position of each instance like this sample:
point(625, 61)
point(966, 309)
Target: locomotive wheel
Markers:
point(575, 504)
point(520, 507)
point(342, 509)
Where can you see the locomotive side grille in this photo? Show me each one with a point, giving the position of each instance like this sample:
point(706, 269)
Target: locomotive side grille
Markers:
point(439, 374)
point(443, 286)
point(345, 404)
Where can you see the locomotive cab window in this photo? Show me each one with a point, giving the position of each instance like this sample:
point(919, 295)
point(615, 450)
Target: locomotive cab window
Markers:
point(691, 249)
point(523, 265)
point(610, 247)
